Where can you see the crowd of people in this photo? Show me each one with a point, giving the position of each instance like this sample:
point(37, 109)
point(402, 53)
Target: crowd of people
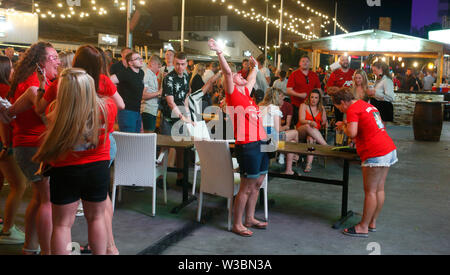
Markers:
point(62, 108)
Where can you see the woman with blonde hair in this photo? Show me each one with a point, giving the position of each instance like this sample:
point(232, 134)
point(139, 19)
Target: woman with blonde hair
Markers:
point(196, 81)
point(66, 59)
point(272, 115)
point(76, 146)
point(360, 85)
point(311, 118)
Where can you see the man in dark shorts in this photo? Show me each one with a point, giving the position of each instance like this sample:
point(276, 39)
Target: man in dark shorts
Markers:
point(130, 87)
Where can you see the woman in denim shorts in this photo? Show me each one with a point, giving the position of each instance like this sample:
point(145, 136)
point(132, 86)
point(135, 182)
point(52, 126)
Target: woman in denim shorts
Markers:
point(249, 136)
point(376, 150)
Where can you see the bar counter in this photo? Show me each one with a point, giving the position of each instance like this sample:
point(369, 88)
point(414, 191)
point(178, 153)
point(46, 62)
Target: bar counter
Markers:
point(405, 102)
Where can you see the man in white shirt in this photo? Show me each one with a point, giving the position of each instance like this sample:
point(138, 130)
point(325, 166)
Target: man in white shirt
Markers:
point(164, 70)
point(281, 83)
point(428, 82)
point(150, 97)
point(262, 76)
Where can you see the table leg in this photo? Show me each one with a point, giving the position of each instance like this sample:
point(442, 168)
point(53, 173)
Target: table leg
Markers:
point(345, 215)
point(186, 200)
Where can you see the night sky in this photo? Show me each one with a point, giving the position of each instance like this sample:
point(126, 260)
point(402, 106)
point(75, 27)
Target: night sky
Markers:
point(354, 15)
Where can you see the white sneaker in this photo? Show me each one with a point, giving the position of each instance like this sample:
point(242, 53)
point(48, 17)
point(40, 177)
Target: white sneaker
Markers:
point(80, 211)
point(15, 236)
point(281, 159)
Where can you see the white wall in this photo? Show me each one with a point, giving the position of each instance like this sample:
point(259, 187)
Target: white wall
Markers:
point(235, 54)
point(18, 27)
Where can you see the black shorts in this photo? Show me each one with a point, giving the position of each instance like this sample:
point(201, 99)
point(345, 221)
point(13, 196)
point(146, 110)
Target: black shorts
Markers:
point(89, 182)
point(252, 161)
point(385, 108)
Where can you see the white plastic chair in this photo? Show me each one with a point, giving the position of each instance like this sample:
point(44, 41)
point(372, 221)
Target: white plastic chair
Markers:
point(136, 163)
point(200, 132)
point(218, 176)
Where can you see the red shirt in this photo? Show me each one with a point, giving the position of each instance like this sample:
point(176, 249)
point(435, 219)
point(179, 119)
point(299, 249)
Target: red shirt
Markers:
point(287, 109)
point(4, 90)
point(371, 139)
point(247, 123)
point(302, 84)
point(340, 79)
point(28, 126)
point(101, 152)
point(105, 88)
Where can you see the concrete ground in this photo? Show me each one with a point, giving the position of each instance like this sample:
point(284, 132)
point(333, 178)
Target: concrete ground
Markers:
point(415, 218)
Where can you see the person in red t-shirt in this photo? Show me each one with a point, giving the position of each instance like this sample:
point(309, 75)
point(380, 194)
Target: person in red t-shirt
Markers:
point(376, 150)
point(249, 133)
point(28, 127)
point(77, 145)
point(300, 83)
point(342, 77)
point(8, 167)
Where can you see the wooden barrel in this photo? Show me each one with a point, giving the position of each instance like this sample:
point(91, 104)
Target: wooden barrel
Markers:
point(427, 120)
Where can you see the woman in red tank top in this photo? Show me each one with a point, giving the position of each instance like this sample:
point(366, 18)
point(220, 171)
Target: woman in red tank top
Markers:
point(311, 118)
point(249, 133)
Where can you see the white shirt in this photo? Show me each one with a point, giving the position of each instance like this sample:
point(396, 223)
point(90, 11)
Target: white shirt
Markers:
point(384, 89)
point(268, 113)
point(151, 83)
point(282, 85)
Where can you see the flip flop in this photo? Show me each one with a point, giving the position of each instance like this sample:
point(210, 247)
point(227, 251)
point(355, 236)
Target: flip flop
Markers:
point(352, 232)
point(372, 229)
point(258, 225)
point(243, 233)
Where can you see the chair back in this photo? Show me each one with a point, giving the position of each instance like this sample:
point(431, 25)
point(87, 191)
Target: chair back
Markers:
point(217, 175)
point(135, 163)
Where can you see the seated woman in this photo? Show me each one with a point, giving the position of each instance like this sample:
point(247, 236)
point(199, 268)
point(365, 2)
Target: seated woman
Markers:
point(311, 118)
point(360, 85)
point(272, 121)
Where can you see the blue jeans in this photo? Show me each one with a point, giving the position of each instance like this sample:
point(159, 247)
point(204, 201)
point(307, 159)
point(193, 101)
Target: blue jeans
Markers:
point(113, 149)
point(129, 121)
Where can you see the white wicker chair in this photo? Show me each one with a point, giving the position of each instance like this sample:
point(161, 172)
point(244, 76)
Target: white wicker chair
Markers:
point(200, 132)
point(218, 176)
point(136, 164)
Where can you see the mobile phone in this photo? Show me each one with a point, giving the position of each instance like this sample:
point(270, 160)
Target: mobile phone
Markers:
point(40, 69)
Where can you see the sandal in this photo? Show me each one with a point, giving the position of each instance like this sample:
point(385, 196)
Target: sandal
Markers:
point(352, 232)
point(308, 168)
point(243, 233)
point(258, 225)
point(85, 249)
point(26, 251)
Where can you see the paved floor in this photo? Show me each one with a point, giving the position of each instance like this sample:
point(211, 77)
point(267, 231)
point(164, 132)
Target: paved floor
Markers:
point(415, 218)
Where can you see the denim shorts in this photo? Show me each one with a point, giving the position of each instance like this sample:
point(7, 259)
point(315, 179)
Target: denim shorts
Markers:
point(384, 161)
point(23, 157)
point(252, 162)
point(112, 149)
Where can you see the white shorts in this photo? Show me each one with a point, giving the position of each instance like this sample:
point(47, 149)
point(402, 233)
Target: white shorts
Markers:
point(384, 161)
